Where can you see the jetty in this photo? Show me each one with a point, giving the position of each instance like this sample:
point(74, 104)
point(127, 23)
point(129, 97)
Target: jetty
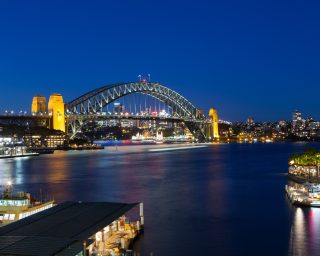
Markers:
point(304, 194)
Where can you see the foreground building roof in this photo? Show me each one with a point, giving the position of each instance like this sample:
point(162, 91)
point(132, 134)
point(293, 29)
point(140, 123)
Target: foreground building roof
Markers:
point(60, 230)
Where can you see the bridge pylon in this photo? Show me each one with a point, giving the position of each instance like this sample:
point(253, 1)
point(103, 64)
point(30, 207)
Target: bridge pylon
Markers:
point(213, 131)
point(56, 110)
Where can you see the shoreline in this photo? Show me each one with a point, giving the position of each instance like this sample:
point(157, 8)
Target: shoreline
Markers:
point(16, 156)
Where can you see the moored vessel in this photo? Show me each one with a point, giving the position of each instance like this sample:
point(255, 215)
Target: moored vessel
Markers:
point(14, 207)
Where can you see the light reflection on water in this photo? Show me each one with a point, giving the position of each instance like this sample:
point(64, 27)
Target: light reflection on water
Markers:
point(222, 200)
point(305, 232)
point(298, 239)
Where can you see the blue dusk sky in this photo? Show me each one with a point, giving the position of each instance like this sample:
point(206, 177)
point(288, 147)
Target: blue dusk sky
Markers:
point(246, 58)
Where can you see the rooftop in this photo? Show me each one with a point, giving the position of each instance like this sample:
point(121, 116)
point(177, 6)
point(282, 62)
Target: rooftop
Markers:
point(59, 230)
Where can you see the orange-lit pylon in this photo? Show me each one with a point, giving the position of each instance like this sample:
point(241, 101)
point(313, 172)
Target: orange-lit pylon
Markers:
point(213, 114)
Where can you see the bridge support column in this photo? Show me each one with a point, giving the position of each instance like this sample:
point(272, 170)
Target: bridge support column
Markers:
point(214, 129)
point(56, 110)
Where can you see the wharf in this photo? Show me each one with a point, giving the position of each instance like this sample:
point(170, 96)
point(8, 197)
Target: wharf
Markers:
point(84, 147)
point(19, 155)
point(300, 196)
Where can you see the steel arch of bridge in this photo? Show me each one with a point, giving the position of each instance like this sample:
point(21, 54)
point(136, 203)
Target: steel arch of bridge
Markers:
point(95, 101)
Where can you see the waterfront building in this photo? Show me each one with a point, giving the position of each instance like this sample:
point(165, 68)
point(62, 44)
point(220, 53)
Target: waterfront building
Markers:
point(56, 110)
point(74, 229)
point(50, 141)
point(11, 147)
point(39, 105)
point(305, 166)
point(5, 141)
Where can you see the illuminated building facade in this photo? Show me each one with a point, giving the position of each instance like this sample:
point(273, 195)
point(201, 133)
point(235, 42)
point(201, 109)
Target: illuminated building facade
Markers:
point(56, 110)
point(50, 141)
point(39, 105)
point(213, 114)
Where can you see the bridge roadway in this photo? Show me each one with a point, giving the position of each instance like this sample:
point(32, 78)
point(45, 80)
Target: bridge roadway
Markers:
point(44, 120)
point(100, 117)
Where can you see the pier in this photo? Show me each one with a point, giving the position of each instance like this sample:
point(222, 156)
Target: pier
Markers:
point(304, 195)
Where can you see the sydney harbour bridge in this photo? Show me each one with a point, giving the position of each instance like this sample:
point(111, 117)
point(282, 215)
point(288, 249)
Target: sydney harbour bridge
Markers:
point(135, 101)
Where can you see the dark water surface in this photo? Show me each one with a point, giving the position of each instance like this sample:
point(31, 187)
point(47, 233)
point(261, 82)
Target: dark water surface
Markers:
point(219, 200)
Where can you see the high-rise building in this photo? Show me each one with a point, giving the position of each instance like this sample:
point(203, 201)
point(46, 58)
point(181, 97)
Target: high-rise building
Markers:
point(296, 120)
point(118, 108)
point(39, 105)
point(250, 121)
point(56, 110)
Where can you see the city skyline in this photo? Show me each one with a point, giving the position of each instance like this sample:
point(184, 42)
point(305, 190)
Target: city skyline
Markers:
point(248, 59)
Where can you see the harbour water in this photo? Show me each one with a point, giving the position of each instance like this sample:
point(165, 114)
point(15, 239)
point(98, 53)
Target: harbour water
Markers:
point(224, 199)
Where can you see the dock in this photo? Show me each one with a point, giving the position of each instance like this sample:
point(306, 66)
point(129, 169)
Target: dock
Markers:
point(19, 155)
point(300, 195)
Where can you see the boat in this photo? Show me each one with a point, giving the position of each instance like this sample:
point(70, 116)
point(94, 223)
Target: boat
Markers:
point(140, 139)
point(14, 207)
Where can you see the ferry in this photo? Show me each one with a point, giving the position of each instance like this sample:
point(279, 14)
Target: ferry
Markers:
point(14, 207)
point(140, 139)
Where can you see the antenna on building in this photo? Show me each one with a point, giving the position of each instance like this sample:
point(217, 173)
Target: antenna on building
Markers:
point(139, 76)
point(149, 77)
